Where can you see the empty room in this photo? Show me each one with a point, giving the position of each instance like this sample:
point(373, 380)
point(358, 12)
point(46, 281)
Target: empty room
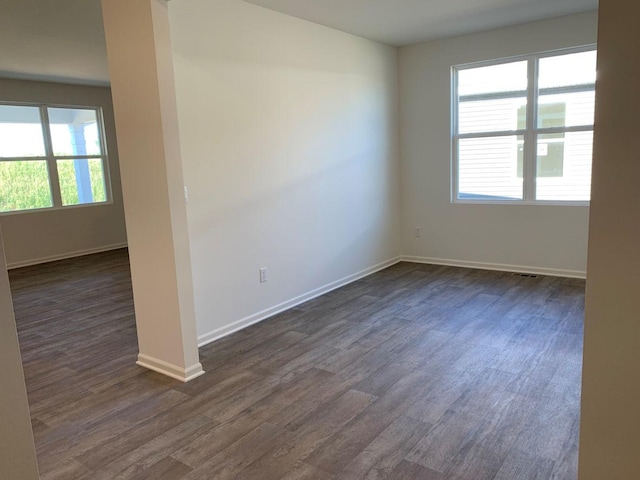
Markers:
point(293, 239)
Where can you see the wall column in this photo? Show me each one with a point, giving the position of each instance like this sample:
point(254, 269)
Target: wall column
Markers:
point(17, 450)
point(610, 418)
point(144, 100)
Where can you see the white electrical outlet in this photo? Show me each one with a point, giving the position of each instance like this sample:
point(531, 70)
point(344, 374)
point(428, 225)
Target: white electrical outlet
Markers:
point(418, 232)
point(186, 194)
point(263, 274)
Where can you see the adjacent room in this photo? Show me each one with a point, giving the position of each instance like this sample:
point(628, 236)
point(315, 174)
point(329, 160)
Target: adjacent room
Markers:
point(286, 239)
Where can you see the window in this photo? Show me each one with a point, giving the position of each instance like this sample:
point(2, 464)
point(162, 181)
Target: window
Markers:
point(51, 157)
point(523, 129)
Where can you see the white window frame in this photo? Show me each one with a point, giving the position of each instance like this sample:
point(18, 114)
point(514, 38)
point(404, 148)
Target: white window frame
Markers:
point(51, 159)
point(530, 133)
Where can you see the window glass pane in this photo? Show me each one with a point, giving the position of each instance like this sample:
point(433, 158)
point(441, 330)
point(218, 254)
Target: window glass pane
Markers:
point(74, 131)
point(567, 70)
point(24, 185)
point(493, 103)
point(564, 166)
point(488, 168)
point(550, 155)
point(20, 132)
point(506, 77)
point(566, 109)
point(494, 115)
point(81, 181)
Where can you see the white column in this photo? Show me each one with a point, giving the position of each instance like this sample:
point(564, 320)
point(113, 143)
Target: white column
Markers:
point(142, 85)
point(17, 451)
point(610, 417)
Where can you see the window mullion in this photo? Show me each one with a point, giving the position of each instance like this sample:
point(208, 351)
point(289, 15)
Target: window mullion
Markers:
point(455, 138)
point(104, 156)
point(54, 181)
point(577, 128)
point(530, 147)
point(496, 133)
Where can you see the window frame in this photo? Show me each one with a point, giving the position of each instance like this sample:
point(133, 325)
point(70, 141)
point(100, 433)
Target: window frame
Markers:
point(529, 133)
point(51, 159)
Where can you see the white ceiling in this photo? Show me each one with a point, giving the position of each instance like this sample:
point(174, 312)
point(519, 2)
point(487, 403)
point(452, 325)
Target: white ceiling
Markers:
point(60, 40)
point(404, 22)
point(63, 40)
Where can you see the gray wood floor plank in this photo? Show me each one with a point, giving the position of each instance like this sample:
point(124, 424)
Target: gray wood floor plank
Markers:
point(416, 372)
point(166, 469)
point(138, 460)
point(302, 471)
point(322, 425)
point(440, 445)
point(406, 470)
point(231, 462)
point(383, 454)
point(520, 465)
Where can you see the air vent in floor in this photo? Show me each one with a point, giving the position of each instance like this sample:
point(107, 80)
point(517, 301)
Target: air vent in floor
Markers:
point(528, 275)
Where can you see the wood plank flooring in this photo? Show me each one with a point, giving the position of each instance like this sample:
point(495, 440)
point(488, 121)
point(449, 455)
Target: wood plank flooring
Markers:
point(416, 372)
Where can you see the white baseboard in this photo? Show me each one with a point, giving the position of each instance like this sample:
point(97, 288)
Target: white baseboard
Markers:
point(170, 370)
point(245, 322)
point(555, 272)
point(64, 256)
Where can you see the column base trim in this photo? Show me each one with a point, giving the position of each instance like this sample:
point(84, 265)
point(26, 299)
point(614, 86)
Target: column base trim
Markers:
point(183, 374)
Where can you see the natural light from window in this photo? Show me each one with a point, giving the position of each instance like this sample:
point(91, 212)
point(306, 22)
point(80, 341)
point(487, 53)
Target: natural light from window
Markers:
point(51, 157)
point(523, 129)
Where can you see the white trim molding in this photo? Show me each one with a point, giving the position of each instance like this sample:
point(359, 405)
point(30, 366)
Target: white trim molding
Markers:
point(262, 315)
point(257, 317)
point(64, 256)
point(183, 374)
point(554, 272)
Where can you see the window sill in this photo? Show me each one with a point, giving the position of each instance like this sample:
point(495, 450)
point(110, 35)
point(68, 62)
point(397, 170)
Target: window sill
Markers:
point(55, 209)
point(550, 203)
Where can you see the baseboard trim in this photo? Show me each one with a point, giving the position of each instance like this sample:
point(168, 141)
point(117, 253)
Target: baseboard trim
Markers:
point(183, 374)
point(554, 272)
point(64, 256)
point(245, 322)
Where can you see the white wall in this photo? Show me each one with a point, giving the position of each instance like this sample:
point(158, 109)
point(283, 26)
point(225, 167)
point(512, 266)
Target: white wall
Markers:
point(610, 417)
point(17, 450)
point(32, 237)
point(536, 238)
point(144, 100)
point(289, 142)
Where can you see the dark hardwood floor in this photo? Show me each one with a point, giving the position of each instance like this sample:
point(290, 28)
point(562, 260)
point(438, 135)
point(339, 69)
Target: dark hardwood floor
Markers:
point(416, 372)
